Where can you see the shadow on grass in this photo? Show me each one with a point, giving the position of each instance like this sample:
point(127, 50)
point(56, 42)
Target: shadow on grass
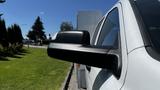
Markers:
point(3, 58)
point(18, 54)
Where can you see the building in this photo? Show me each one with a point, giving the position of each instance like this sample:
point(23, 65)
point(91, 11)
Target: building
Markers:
point(87, 20)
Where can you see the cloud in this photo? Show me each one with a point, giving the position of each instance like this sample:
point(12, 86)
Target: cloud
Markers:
point(42, 13)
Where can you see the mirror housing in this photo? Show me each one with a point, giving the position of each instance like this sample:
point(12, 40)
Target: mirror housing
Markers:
point(73, 46)
point(74, 37)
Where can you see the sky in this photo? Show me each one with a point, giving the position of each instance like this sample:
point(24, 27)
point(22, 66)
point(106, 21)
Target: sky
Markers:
point(51, 12)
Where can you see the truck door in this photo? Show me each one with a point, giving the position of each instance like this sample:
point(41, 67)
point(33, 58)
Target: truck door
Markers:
point(88, 68)
point(110, 34)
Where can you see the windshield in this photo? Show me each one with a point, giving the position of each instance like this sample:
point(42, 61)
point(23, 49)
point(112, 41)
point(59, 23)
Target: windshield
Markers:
point(150, 13)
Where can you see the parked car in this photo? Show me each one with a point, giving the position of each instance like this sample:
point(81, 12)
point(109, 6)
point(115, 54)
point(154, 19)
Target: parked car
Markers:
point(124, 53)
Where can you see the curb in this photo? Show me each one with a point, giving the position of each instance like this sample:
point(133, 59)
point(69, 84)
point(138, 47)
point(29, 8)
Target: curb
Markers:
point(68, 78)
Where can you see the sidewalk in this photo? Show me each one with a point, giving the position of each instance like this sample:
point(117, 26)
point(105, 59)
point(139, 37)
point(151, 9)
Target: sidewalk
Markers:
point(35, 46)
point(73, 85)
point(73, 82)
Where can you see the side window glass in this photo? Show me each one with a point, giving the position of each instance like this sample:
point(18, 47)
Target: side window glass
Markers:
point(96, 31)
point(110, 30)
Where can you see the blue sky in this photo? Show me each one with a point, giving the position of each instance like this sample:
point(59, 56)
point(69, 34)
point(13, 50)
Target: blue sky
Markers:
point(52, 12)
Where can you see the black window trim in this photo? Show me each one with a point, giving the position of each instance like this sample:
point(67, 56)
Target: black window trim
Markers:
point(116, 51)
point(95, 35)
point(102, 25)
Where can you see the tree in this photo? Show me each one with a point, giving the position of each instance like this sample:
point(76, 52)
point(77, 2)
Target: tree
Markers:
point(37, 30)
point(15, 34)
point(50, 38)
point(66, 26)
point(3, 34)
point(31, 35)
point(17, 31)
point(11, 36)
point(2, 1)
point(15, 38)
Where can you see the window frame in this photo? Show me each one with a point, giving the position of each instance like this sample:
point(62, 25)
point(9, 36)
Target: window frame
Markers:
point(117, 51)
point(100, 31)
point(98, 27)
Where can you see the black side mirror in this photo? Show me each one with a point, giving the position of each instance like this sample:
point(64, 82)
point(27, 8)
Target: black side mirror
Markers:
point(74, 37)
point(73, 46)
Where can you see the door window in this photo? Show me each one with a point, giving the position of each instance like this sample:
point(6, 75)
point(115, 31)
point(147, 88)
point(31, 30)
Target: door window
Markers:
point(108, 37)
point(96, 32)
point(110, 30)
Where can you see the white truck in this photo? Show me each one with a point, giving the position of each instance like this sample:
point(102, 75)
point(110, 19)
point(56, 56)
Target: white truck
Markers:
point(124, 53)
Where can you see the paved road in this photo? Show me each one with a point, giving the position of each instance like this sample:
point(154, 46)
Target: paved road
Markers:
point(37, 46)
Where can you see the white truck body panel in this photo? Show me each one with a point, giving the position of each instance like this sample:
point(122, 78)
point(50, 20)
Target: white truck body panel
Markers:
point(112, 83)
point(140, 71)
point(143, 71)
point(133, 35)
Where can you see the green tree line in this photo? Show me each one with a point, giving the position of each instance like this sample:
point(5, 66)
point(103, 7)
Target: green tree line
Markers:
point(10, 38)
point(37, 33)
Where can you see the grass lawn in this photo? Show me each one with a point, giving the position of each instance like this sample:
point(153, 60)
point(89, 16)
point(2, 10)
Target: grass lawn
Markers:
point(32, 70)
